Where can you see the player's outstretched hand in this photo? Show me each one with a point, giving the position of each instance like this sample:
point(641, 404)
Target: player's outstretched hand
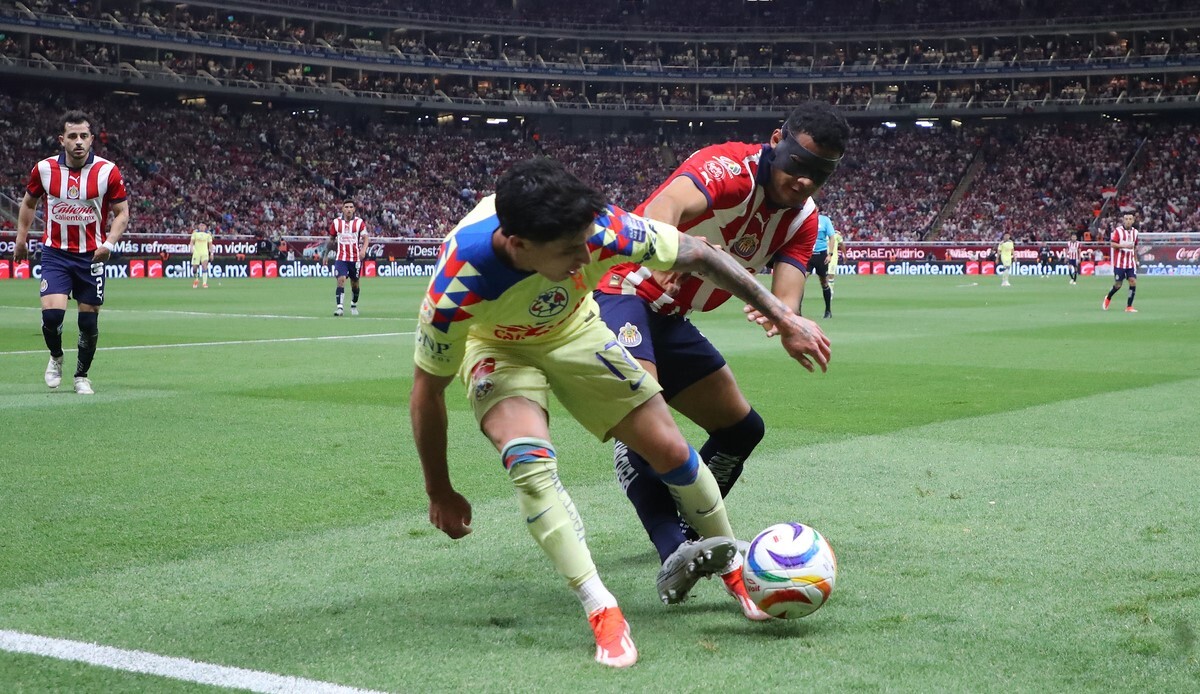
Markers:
point(20, 251)
point(451, 513)
point(805, 342)
point(803, 339)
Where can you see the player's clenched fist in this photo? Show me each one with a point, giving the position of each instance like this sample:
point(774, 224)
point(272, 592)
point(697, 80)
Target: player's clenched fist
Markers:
point(451, 513)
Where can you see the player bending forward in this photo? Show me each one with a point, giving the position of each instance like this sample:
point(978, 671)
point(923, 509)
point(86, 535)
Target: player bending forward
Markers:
point(510, 310)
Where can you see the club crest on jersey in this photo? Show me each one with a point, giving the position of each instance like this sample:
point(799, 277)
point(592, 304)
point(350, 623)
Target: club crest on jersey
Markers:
point(481, 384)
point(629, 336)
point(45, 286)
point(550, 303)
point(426, 314)
point(73, 192)
point(745, 247)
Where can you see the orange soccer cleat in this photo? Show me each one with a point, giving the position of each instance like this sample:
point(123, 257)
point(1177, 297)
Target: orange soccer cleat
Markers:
point(613, 645)
point(737, 588)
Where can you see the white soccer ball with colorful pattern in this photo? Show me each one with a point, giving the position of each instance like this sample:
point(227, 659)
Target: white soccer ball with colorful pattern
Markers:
point(789, 570)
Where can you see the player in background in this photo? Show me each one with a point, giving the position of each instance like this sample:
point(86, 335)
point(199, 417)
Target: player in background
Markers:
point(1004, 252)
point(1072, 254)
point(1124, 259)
point(510, 309)
point(819, 263)
point(1045, 260)
point(756, 201)
point(349, 234)
point(835, 248)
point(201, 246)
point(81, 191)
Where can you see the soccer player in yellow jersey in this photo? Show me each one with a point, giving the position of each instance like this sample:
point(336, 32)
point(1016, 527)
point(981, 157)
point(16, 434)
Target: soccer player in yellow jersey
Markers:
point(1004, 254)
point(201, 247)
point(835, 245)
point(510, 311)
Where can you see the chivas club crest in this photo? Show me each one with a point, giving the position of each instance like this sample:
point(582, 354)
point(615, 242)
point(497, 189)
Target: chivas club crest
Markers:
point(73, 191)
point(629, 336)
point(745, 247)
point(550, 303)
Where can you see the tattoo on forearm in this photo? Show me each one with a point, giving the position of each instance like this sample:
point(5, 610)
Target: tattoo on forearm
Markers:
point(695, 255)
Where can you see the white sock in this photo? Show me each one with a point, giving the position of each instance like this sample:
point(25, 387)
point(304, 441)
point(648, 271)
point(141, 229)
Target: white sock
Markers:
point(594, 595)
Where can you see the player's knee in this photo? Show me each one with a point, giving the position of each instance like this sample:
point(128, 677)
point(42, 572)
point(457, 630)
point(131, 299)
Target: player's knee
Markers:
point(52, 318)
point(680, 467)
point(750, 431)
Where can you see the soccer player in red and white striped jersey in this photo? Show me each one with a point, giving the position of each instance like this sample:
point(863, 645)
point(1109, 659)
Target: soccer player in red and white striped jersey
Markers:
point(81, 190)
point(754, 200)
point(1072, 254)
point(1124, 254)
point(349, 234)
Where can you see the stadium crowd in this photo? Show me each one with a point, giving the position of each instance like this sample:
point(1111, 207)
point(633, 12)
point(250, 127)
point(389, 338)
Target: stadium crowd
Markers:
point(269, 172)
point(709, 13)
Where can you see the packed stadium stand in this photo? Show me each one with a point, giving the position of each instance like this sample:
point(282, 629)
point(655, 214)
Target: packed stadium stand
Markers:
point(971, 118)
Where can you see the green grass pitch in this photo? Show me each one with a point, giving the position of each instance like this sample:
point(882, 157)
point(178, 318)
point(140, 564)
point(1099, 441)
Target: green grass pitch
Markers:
point(1010, 478)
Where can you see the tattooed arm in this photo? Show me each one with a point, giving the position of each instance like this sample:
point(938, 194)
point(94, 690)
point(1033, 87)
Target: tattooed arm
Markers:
point(801, 337)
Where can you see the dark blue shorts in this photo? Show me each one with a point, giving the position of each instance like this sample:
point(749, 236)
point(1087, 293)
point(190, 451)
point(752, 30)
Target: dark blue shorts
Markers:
point(1120, 274)
point(341, 268)
point(682, 355)
point(73, 274)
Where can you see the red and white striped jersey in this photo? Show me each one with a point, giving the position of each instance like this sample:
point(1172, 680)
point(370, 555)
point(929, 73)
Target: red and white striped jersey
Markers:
point(1073, 249)
point(739, 219)
point(77, 200)
point(1124, 258)
point(350, 235)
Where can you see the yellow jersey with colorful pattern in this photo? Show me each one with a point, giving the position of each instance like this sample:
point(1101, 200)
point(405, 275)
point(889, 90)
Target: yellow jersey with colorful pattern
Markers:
point(474, 294)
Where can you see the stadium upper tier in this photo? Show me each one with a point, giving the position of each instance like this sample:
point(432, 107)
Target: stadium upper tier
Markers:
point(208, 49)
point(779, 18)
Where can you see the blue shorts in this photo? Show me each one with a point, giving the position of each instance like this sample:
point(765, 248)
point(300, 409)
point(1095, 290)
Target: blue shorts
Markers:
point(683, 356)
point(73, 274)
point(341, 268)
point(1121, 274)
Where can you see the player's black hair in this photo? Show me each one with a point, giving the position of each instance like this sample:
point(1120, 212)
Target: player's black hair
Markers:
point(348, 200)
point(539, 200)
point(823, 123)
point(74, 118)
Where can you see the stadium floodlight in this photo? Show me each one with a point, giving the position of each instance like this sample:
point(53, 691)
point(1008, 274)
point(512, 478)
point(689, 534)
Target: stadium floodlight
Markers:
point(925, 124)
point(497, 121)
point(889, 124)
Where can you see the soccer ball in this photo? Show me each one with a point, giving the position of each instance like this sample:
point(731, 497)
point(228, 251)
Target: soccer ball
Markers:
point(789, 570)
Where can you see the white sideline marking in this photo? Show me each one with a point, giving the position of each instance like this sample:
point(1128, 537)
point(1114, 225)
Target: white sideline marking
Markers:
point(163, 666)
point(218, 344)
point(211, 314)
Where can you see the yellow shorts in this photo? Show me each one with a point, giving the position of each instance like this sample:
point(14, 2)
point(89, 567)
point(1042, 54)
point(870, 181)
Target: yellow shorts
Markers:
point(198, 258)
point(590, 373)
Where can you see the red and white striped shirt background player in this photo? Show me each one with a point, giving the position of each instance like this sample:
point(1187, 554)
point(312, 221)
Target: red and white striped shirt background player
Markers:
point(1073, 249)
point(349, 236)
point(1124, 258)
point(77, 200)
point(739, 219)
